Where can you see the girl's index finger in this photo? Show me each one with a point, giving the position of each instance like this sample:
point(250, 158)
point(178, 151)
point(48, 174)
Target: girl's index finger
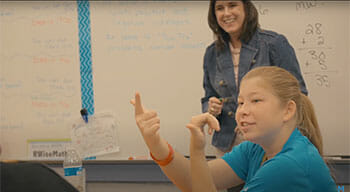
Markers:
point(138, 105)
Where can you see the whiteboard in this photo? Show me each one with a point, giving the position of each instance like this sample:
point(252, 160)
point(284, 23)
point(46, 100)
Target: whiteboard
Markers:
point(155, 48)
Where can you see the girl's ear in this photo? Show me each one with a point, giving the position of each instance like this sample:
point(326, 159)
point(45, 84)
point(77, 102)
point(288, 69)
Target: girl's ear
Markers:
point(290, 110)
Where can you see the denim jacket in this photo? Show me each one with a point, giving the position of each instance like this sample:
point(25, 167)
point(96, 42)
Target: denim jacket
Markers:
point(266, 48)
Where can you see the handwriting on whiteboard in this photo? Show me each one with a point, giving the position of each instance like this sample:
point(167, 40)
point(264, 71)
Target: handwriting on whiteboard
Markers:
point(306, 5)
point(262, 10)
point(314, 47)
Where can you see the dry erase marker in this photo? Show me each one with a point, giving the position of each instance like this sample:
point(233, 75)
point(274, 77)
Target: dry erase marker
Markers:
point(138, 158)
point(84, 115)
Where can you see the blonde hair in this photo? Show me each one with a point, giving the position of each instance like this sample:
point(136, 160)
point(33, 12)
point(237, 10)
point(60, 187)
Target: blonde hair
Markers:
point(286, 87)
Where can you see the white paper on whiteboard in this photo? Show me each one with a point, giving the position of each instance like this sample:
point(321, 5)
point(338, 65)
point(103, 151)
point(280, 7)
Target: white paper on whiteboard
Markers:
point(97, 137)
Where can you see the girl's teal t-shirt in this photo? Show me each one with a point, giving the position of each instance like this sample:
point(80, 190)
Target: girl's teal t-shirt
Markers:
point(297, 168)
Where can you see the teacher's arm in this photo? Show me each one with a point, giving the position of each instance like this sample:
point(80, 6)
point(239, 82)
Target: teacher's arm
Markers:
point(209, 90)
point(283, 55)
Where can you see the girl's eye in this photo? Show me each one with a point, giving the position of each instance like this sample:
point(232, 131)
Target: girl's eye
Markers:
point(232, 5)
point(256, 100)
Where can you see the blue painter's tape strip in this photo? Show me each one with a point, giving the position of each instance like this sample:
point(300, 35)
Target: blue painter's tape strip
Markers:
point(87, 91)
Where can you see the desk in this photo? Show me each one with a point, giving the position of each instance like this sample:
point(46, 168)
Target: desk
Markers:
point(146, 171)
point(341, 170)
point(139, 171)
point(78, 182)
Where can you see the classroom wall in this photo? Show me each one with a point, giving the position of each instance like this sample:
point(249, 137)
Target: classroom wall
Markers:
point(155, 48)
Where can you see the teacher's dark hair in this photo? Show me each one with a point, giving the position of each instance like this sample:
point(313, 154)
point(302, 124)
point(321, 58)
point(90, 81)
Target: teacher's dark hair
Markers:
point(250, 24)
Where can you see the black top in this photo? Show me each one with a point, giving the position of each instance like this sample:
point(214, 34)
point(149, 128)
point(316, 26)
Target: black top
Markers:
point(31, 177)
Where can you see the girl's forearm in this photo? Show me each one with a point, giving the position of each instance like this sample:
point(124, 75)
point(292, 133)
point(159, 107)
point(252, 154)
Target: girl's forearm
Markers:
point(178, 170)
point(202, 180)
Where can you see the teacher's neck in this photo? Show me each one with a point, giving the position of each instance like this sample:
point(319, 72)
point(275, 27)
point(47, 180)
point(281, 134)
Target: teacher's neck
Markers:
point(235, 41)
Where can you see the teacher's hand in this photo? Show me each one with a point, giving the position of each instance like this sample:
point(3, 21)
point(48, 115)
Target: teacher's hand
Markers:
point(147, 121)
point(196, 126)
point(215, 106)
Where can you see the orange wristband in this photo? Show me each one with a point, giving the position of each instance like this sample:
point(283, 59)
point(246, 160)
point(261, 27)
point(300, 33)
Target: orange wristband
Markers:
point(167, 160)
